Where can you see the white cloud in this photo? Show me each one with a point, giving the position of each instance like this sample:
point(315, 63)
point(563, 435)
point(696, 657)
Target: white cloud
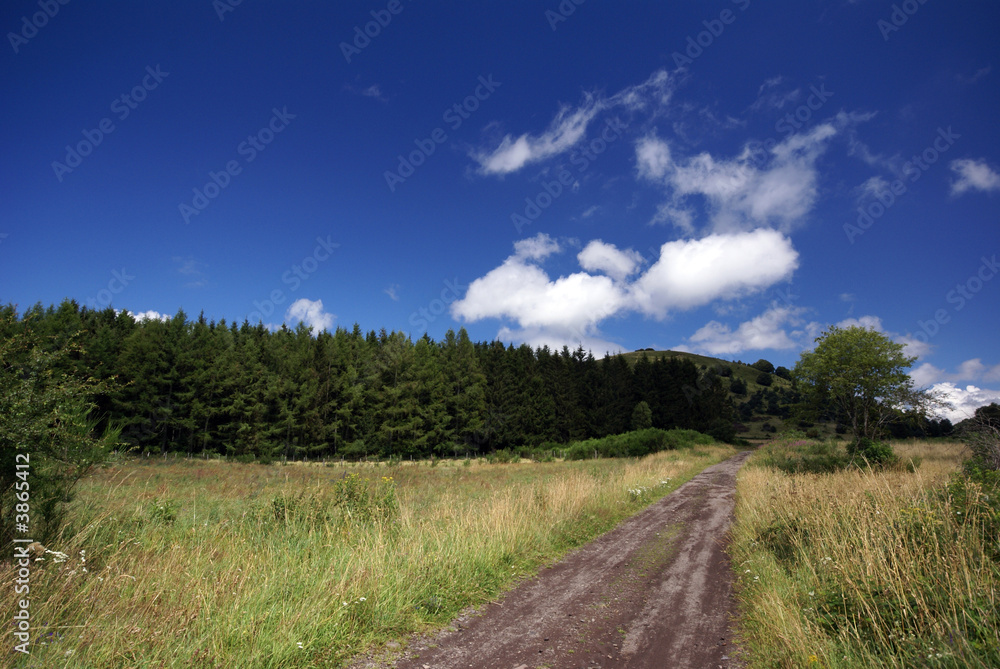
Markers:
point(688, 274)
point(521, 290)
point(766, 331)
point(873, 187)
point(956, 387)
point(970, 370)
point(539, 247)
point(556, 338)
point(607, 258)
point(374, 91)
point(311, 313)
point(768, 99)
point(392, 291)
point(652, 157)
point(963, 401)
point(692, 273)
point(744, 192)
point(149, 316)
point(973, 175)
point(926, 375)
point(914, 346)
point(569, 126)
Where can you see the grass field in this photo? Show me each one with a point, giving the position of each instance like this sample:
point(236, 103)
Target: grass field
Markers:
point(214, 564)
point(858, 568)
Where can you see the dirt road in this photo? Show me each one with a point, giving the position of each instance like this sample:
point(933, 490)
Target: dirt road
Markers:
point(654, 592)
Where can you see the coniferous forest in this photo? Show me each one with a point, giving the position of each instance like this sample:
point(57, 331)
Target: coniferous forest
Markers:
point(201, 387)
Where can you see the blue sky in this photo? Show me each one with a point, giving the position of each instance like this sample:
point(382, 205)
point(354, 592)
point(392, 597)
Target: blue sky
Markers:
point(726, 177)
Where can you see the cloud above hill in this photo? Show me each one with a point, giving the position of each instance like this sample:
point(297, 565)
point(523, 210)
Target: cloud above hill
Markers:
point(569, 309)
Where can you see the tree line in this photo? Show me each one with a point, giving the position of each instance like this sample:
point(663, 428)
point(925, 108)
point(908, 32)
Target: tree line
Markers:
point(205, 387)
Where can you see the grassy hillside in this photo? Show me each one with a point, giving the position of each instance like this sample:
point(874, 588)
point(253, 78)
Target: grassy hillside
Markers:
point(758, 417)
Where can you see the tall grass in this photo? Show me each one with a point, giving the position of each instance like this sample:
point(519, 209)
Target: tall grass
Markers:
point(210, 564)
point(866, 568)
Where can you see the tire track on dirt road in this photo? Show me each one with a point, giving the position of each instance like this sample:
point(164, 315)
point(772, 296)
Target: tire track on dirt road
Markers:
point(656, 591)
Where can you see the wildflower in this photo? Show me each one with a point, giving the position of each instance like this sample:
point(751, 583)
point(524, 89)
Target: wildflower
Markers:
point(812, 593)
point(301, 647)
point(362, 599)
point(813, 659)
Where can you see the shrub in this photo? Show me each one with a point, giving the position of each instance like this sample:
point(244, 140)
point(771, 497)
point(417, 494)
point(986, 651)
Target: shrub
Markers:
point(873, 452)
point(636, 444)
point(164, 511)
point(806, 457)
point(764, 379)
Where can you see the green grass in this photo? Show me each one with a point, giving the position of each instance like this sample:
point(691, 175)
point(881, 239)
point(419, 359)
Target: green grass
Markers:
point(214, 564)
point(867, 567)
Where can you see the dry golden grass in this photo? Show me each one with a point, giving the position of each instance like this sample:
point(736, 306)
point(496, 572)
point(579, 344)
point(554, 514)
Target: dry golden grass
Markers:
point(211, 564)
point(864, 568)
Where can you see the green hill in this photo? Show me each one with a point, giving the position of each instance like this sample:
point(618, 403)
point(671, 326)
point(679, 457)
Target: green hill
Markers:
point(760, 407)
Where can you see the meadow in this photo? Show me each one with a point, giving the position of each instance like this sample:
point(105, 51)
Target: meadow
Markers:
point(898, 567)
point(205, 563)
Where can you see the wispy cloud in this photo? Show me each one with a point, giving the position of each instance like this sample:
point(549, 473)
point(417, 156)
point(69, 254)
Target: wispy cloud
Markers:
point(393, 292)
point(973, 175)
point(742, 192)
point(778, 328)
point(570, 125)
point(189, 267)
point(374, 91)
point(979, 74)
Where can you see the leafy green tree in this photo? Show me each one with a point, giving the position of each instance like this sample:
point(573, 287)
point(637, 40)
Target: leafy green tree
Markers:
point(763, 366)
point(861, 374)
point(642, 416)
point(45, 423)
point(764, 379)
